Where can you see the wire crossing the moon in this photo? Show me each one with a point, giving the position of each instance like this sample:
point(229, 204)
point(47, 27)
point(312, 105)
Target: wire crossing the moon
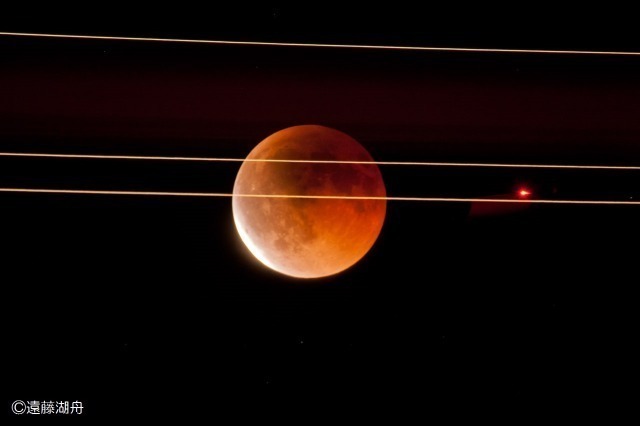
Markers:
point(274, 160)
point(305, 196)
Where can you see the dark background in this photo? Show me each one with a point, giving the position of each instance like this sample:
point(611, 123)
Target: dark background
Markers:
point(128, 301)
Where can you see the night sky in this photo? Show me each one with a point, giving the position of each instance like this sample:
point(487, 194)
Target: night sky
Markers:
point(119, 301)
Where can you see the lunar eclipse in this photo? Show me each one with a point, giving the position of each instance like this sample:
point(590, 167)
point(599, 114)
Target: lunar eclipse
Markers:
point(308, 238)
point(121, 294)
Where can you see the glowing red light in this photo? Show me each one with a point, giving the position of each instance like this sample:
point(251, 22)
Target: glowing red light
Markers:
point(524, 193)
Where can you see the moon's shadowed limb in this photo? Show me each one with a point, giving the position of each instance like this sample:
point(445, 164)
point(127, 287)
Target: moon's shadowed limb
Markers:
point(309, 238)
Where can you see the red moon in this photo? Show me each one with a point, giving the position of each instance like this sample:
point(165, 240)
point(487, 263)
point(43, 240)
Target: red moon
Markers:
point(309, 237)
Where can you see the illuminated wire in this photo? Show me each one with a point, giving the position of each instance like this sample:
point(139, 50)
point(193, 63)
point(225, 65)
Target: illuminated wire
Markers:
point(321, 197)
point(398, 163)
point(271, 160)
point(325, 45)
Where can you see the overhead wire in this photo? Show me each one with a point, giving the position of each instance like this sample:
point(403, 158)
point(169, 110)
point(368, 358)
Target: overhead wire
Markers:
point(324, 45)
point(283, 160)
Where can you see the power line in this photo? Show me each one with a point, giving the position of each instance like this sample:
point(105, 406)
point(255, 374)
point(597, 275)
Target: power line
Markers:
point(272, 160)
point(321, 197)
point(326, 45)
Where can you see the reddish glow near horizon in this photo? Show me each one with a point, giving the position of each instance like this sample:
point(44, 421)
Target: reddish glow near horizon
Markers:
point(524, 193)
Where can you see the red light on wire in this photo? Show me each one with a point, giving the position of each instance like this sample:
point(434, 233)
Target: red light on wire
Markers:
point(524, 193)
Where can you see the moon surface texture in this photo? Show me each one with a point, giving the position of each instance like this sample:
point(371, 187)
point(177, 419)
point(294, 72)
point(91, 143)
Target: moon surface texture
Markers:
point(308, 237)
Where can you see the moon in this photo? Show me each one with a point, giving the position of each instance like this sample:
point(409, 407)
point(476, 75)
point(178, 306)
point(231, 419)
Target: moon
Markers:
point(308, 237)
